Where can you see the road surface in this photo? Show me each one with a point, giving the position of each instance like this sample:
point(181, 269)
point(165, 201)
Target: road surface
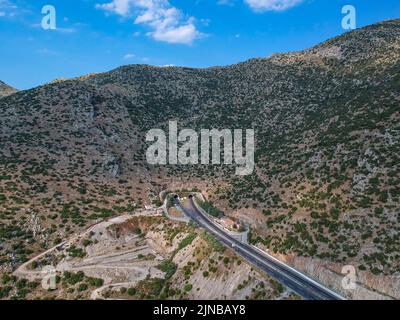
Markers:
point(301, 284)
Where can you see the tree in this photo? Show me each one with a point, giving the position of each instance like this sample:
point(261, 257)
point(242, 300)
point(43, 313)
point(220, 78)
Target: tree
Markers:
point(131, 291)
point(188, 287)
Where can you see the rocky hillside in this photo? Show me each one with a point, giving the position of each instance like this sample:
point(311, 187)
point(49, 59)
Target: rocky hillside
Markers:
point(327, 180)
point(142, 256)
point(5, 89)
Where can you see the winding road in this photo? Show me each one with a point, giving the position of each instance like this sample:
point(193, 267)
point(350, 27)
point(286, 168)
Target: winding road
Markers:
point(303, 285)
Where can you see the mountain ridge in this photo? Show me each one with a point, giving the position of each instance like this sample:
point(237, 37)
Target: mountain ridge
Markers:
point(6, 90)
point(274, 57)
point(326, 184)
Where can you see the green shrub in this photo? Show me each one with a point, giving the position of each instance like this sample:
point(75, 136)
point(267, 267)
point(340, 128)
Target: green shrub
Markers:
point(82, 287)
point(186, 241)
point(131, 291)
point(169, 267)
point(188, 287)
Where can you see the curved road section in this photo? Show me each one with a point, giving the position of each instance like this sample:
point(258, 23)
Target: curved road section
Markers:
point(301, 284)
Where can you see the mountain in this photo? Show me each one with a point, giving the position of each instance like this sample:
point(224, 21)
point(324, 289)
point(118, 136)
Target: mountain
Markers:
point(5, 89)
point(327, 181)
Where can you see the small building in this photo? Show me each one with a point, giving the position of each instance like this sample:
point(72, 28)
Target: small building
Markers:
point(229, 223)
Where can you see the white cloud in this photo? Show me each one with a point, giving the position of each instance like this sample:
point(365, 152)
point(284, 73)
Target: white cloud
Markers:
point(167, 23)
point(121, 7)
point(225, 2)
point(184, 34)
point(7, 8)
point(129, 56)
point(272, 5)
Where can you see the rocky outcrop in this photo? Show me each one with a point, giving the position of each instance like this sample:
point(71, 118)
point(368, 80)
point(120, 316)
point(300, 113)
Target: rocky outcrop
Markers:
point(367, 285)
point(6, 90)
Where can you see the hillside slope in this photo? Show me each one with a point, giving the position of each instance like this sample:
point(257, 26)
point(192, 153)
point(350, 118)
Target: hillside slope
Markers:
point(327, 180)
point(5, 89)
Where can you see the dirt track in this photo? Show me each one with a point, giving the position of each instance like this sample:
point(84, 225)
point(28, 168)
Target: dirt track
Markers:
point(110, 259)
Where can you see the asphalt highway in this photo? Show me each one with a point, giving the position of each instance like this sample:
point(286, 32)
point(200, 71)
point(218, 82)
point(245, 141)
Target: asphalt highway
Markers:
point(304, 286)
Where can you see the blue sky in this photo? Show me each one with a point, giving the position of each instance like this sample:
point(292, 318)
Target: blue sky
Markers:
point(99, 35)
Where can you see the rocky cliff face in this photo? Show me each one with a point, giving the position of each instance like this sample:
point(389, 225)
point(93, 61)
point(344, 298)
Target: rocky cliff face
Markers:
point(326, 183)
point(5, 89)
